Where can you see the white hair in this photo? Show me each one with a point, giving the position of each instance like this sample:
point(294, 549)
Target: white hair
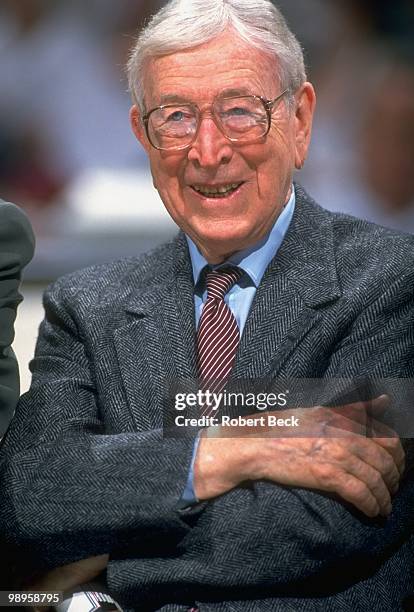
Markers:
point(186, 24)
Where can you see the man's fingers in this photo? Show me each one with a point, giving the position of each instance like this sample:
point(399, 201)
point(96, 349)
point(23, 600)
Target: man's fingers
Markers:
point(374, 480)
point(378, 405)
point(361, 412)
point(356, 420)
point(358, 470)
point(378, 458)
point(346, 461)
point(357, 493)
point(375, 407)
point(359, 419)
point(394, 448)
point(388, 439)
point(356, 417)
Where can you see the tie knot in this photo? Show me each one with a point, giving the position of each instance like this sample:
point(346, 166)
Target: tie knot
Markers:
point(220, 281)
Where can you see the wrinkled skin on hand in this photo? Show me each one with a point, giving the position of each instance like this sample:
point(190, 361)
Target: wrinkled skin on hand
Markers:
point(329, 451)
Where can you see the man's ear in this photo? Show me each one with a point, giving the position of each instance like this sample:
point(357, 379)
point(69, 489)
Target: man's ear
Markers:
point(305, 107)
point(138, 127)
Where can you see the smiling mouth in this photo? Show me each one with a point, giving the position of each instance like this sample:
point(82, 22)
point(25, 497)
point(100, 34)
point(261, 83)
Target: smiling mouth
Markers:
point(217, 192)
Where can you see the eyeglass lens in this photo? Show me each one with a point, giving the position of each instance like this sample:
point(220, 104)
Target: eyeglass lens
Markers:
point(240, 119)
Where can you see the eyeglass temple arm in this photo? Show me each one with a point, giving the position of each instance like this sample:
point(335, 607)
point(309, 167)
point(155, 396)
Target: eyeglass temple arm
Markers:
point(270, 103)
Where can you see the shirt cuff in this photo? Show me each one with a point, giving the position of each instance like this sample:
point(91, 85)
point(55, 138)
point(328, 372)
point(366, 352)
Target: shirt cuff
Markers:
point(188, 497)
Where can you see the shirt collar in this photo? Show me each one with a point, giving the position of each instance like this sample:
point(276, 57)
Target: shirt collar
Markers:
point(255, 259)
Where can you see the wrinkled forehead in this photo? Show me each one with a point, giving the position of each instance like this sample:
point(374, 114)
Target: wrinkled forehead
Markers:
point(225, 64)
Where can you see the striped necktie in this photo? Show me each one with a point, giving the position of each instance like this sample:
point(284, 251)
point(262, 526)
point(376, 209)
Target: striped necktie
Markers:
point(218, 334)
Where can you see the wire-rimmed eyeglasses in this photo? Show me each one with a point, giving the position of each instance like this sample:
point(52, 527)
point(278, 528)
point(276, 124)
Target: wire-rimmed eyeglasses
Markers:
point(241, 119)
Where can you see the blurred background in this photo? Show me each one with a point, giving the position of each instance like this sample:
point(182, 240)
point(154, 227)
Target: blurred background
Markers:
point(68, 157)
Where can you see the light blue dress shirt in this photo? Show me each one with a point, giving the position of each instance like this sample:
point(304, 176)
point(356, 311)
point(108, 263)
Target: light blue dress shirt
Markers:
point(253, 261)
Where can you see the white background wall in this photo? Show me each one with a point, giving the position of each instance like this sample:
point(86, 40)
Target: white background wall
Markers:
point(29, 316)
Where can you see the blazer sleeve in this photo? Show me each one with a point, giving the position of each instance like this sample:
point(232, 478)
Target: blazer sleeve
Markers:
point(279, 537)
point(16, 250)
point(70, 489)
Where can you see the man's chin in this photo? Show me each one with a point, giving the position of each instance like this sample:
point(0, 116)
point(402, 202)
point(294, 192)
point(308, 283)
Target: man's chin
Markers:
point(221, 245)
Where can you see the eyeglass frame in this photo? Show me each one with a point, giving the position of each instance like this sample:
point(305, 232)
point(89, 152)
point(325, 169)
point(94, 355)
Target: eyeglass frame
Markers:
point(267, 105)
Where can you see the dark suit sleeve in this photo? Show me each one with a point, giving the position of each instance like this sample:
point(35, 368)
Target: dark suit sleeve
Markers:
point(70, 489)
point(279, 537)
point(16, 250)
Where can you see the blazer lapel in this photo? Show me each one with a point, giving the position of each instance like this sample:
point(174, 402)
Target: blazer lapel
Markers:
point(301, 278)
point(156, 348)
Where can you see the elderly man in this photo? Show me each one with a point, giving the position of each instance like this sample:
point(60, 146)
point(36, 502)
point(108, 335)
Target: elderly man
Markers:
point(261, 283)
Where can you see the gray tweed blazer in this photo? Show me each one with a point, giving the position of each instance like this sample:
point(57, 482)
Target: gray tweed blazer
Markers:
point(85, 469)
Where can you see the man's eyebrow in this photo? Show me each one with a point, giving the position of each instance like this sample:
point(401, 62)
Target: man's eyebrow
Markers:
point(181, 99)
point(239, 91)
point(173, 99)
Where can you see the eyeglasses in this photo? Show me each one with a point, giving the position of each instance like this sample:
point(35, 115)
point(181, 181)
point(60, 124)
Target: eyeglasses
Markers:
point(241, 119)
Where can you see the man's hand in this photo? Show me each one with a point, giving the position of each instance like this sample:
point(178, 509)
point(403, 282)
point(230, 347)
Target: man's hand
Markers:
point(333, 455)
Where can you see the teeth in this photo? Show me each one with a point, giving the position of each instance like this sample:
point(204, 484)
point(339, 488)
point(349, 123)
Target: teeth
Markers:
point(216, 190)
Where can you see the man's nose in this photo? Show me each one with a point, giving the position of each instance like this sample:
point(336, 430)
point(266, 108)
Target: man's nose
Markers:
point(211, 148)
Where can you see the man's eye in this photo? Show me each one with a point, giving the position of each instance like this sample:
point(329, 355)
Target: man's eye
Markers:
point(176, 116)
point(237, 111)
